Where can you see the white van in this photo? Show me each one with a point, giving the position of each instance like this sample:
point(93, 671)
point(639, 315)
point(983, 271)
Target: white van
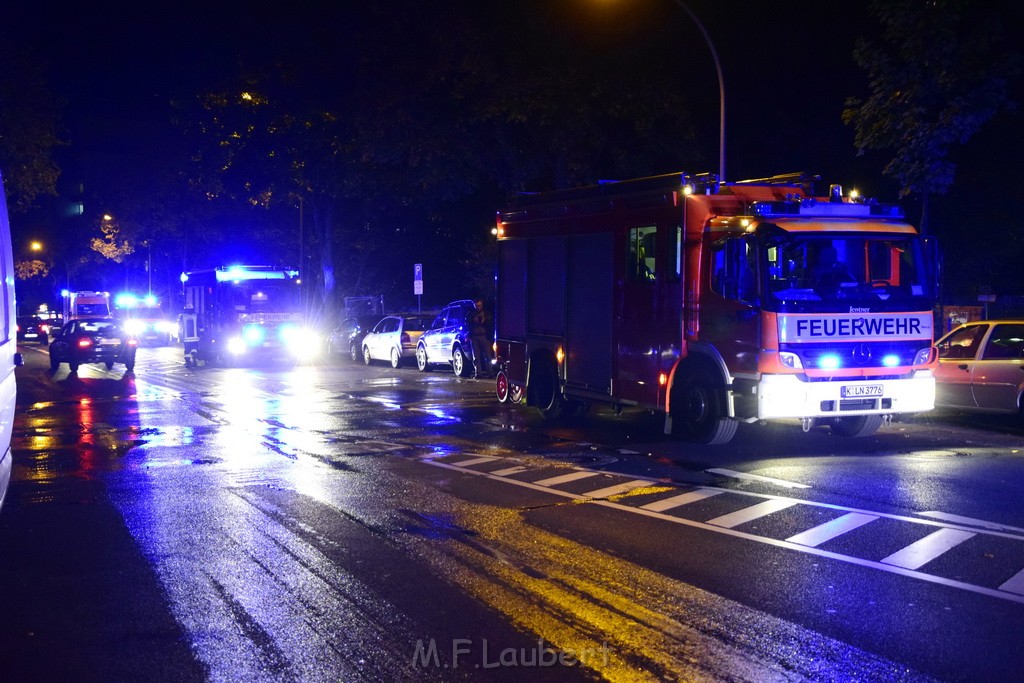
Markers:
point(9, 357)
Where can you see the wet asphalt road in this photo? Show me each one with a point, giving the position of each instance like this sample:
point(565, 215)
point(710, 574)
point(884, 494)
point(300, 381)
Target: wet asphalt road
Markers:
point(346, 523)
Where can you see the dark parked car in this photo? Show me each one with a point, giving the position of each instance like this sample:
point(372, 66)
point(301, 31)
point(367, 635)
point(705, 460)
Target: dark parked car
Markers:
point(93, 340)
point(347, 337)
point(33, 329)
point(981, 367)
point(447, 341)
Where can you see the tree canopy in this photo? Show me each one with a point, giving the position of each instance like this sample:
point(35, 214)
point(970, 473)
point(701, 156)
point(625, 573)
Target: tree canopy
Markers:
point(937, 73)
point(29, 133)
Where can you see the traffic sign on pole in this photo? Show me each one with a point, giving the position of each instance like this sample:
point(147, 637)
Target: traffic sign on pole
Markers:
point(417, 284)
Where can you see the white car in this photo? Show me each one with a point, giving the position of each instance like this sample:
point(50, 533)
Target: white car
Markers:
point(394, 338)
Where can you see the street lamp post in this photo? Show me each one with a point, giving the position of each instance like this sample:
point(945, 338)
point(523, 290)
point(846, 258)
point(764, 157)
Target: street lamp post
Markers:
point(721, 90)
point(38, 246)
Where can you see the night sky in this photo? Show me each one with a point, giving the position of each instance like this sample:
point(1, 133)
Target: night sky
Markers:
point(787, 70)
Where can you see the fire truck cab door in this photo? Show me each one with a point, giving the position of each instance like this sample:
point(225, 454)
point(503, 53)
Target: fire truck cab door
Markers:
point(729, 313)
point(638, 350)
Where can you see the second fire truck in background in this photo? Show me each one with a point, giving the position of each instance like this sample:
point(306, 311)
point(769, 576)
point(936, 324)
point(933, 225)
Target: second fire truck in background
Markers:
point(245, 314)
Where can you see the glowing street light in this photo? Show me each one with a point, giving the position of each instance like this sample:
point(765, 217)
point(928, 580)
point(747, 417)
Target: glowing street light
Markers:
point(38, 246)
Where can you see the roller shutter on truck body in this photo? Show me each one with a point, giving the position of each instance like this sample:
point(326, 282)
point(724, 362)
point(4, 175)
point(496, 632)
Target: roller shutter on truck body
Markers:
point(589, 313)
point(556, 292)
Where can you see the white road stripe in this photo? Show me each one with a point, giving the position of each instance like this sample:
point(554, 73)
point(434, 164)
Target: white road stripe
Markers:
point(565, 478)
point(829, 530)
point(751, 513)
point(682, 499)
point(920, 553)
point(617, 489)
point(509, 470)
point(970, 521)
point(475, 461)
point(756, 477)
point(1014, 585)
point(648, 511)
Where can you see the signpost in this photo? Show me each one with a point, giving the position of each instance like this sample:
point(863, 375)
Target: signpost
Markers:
point(417, 285)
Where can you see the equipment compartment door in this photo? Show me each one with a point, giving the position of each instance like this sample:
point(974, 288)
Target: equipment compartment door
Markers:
point(588, 338)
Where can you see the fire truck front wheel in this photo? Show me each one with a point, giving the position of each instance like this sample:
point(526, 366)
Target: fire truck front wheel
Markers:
point(856, 425)
point(698, 410)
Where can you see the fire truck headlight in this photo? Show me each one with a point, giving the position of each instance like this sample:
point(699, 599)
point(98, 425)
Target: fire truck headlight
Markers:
point(301, 342)
point(134, 326)
point(790, 360)
point(829, 361)
point(236, 345)
point(253, 334)
point(289, 334)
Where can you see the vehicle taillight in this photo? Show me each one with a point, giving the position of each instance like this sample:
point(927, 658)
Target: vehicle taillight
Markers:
point(84, 343)
point(132, 342)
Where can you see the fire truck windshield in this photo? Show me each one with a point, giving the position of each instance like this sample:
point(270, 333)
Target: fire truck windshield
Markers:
point(838, 271)
point(266, 296)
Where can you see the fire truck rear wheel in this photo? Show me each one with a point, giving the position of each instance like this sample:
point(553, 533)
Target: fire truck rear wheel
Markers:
point(700, 413)
point(856, 425)
point(547, 394)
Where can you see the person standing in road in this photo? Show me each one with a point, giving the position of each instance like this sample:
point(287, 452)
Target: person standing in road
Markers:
point(481, 328)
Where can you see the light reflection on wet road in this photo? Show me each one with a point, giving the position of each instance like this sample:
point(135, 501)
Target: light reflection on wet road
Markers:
point(296, 535)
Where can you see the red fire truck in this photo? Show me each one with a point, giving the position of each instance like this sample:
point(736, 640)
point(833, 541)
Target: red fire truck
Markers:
point(714, 304)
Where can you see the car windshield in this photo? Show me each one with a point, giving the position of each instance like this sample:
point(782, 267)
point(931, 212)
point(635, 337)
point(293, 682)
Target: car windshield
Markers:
point(815, 272)
point(103, 327)
point(92, 309)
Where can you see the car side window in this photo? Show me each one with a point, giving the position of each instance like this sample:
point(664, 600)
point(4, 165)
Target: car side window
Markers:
point(439, 320)
point(962, 344)
point(1005, 342)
